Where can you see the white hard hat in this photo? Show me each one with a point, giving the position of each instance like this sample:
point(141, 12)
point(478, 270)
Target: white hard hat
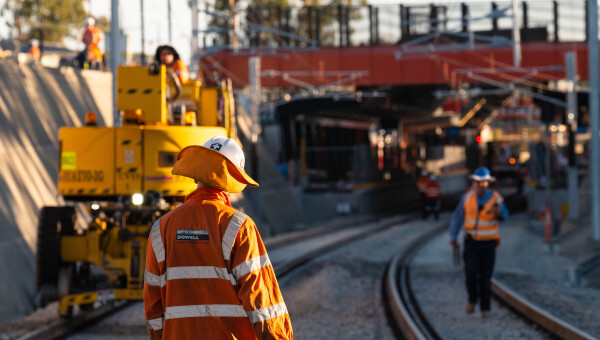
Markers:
point(433, 177)
point(218, 163)
point(33, 42)
point(229, 148)
point(424, 173)
point(89, 21)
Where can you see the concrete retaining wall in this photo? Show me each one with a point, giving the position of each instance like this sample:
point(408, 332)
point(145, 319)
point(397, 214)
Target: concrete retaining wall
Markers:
point(34, 103)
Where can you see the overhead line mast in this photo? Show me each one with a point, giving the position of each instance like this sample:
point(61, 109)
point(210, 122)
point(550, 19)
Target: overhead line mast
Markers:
point(594, 112)
point(114, 56)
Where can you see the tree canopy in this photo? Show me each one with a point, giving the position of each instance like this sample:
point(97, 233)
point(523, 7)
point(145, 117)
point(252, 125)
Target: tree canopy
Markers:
point(272, 13)
point(56, 19)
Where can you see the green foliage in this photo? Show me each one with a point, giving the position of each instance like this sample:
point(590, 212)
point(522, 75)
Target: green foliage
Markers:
point(57, 19)
point(271, 14)
point(221, 6)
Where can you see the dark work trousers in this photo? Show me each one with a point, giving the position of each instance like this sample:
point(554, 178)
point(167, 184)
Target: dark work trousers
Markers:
point(432, 205)
point(479, 257)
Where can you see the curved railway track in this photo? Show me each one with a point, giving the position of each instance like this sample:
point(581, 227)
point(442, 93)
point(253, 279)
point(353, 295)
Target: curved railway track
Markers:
point(410, 317)
point(287, 254)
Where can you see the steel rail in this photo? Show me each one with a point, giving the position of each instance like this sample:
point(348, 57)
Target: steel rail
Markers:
point(537, 315)
point(286, 268)
point(414, 324)
point(407, 315)
point(63, 328)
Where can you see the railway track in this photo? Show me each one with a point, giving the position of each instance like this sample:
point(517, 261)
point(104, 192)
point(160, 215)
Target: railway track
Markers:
point(320, 247)
point(286, 255)
point(415, 312)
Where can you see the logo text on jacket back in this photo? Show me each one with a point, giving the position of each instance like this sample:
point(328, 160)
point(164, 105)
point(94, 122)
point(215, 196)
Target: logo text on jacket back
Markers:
point(192, 235)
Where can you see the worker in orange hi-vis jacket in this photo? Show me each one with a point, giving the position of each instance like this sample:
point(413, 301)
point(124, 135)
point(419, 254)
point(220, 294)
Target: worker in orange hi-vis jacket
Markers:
point(34, 50)
point(92, 37)
point(208, 275)
point(433, 198)
point(421, 186)
point(168, 56)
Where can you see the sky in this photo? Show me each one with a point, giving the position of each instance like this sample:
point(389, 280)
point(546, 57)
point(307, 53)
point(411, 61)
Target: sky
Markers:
point(155, 22)
point(155, 19)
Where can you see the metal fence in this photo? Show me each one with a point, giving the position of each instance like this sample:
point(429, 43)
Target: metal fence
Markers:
point(339, 26)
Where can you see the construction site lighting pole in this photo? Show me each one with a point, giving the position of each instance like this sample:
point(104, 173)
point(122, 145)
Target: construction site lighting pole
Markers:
point(142, 54)
point(255, 98)
point(573, 173)
point(41, 28)
point(194, 64)
point(234, 42)
point(255, 95)
point(169, 21)
point(516, 33)
point(115, 53)
point(594, 169)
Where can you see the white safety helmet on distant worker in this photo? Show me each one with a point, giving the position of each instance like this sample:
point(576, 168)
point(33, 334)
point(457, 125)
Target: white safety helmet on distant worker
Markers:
point(218, 163)
point(89, 21)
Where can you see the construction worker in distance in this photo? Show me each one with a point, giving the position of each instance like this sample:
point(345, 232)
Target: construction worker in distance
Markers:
point(421, 185)
point(92, 38)
point(34, 50)
point(168, 56)
point(479, 214)
point(208, 275)
point(433, 198)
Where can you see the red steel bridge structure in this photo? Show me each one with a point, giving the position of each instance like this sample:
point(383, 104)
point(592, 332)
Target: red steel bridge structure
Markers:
point(397, 45)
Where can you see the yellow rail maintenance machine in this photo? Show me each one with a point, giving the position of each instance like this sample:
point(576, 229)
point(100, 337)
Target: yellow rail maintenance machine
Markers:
point(123, 175)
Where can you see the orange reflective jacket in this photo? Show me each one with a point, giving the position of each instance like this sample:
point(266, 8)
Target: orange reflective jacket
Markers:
point(180, 70)
point(208, 275)
point(482, 224)
point(433, 190)
point(91, 38)
point(35, 52)
point(422, 183)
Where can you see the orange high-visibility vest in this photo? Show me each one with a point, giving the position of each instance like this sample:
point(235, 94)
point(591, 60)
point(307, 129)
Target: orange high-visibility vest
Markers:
point(91, 38)
point(422, 183)
point(481, 225)
point(180, 70)
point(35, 52)
point(208, 275)
point(433, 190)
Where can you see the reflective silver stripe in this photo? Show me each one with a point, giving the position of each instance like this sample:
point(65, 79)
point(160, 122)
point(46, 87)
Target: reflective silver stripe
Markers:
point(267, 313)
point(487, 223)
point(470, 221)
point(231, 232)
point(482, 232)
point(251, 265)
point(154, 280)
point(155, 324)
point(157, 243)
point(468, 196)
point(192, 311)
point(199, 272)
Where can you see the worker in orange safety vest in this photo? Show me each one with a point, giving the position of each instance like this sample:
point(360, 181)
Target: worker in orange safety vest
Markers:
point(92, 37)
point(168, 56)
point(34, 50)
point(421, 185)
point(433, 198)
point(479, 214)
point(208, 275)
